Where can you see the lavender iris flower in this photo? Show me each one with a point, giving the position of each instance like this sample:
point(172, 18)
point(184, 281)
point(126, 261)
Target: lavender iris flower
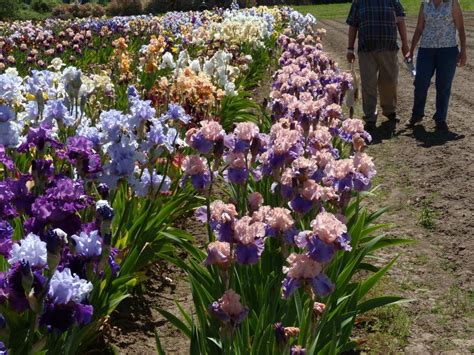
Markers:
point(6, 113)
point(176, 113)
point(88, 244)
point(56, 110)
point(31, 249)
point(66, 287)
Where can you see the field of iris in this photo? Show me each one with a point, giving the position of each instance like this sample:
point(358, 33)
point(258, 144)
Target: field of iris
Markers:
point(114, 130)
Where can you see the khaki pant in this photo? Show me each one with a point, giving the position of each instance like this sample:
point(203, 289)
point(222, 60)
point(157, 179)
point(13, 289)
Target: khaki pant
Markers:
point(378, 70)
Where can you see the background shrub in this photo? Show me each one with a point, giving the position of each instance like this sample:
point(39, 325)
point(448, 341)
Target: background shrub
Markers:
point(8, 8)
point(41, 6)
point(66, 11)
point(124, 8)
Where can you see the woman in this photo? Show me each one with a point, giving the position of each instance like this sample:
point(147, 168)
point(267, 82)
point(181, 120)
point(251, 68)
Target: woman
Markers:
point(438, 21)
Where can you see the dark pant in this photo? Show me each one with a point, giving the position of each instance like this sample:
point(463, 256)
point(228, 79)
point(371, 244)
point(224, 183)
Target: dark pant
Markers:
point(430, 60)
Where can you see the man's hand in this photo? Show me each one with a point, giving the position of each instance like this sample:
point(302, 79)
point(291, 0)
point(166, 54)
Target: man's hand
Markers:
point(350, 56)
point(462, 58)
point(406, 50)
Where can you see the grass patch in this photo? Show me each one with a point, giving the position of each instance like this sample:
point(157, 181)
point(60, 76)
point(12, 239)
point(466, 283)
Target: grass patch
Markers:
point(385, 329)
point(341, 10)
point(389, 331)
point(427, 216)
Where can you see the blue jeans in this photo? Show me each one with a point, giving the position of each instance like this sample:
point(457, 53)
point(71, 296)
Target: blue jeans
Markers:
point(443, 61)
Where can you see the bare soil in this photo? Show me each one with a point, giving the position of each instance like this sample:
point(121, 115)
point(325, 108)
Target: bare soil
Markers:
point(426, 179)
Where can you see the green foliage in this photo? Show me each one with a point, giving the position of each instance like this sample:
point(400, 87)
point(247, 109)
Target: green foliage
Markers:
point(124, 8)
point(260, 284)
point(236, 109)
point(8, 9)
point(42, 6)
point(78, 11)
point(336, 10)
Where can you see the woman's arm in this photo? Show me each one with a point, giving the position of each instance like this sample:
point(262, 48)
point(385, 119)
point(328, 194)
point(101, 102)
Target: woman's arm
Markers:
point(418, 32)
point(459, 22)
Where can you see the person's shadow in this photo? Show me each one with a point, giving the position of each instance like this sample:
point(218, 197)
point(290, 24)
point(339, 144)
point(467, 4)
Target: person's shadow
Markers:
point(386, 130)
point(432, 139)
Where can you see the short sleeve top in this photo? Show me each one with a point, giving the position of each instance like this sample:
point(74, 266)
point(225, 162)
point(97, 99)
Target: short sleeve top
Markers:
point(376, 21)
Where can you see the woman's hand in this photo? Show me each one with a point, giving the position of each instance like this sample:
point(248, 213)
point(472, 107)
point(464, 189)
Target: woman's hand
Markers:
point(462, 58)
point(350, 57)
point(409, 55)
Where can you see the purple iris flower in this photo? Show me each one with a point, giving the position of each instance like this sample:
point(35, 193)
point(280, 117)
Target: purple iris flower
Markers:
point(345, 184)
point(23, 198)
point(225, 232)
point(14, 285)
point(132, 92)
point(289, 286)
point(320, 251)
point(39, 137)
point(176, 113)
point(7, 209)
point(6, 234)
point(201, 144)
point(61, 317)
point(301, 205)
point(230, 302)
point(201, 181)
point(57, 110)
point(297, 350)
point(237, 175)
point(80, 151)
point(344, 242)
point(42, 170)
point(250, 254)
point(361, 182)
point(3, 349)
point(60, 203)
point(6, 113)
point(141, 111)
point(114, 266)
point(65, 296)
point(241, 146)
point(322, 285)
point(4, 159)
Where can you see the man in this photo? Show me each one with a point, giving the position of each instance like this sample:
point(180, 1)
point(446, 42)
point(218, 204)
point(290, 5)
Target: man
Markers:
point(376, 22)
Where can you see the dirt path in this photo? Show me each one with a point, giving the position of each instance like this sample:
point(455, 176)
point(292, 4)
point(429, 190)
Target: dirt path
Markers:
point(427, 180)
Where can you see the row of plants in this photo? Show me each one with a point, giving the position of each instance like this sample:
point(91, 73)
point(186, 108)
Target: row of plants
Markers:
point(94, 164)
point(290, 261)
point(101, 160)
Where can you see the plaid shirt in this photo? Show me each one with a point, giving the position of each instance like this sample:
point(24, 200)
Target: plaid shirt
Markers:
point(376, 21)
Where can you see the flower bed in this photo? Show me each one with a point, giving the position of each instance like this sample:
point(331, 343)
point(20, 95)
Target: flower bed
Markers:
point(100, 159)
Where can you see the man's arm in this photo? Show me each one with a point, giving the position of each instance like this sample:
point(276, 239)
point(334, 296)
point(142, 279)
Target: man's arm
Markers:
point(402, 29)
point(353, 22)
point(350, 44)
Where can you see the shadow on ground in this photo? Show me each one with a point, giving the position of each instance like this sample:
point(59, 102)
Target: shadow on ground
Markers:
point(386, 130)
point(428, 139)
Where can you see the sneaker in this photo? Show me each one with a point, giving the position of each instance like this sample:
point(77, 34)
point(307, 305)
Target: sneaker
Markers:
point(392, 116)
point(413, 121)
point(370, 126)
point(441, 126)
